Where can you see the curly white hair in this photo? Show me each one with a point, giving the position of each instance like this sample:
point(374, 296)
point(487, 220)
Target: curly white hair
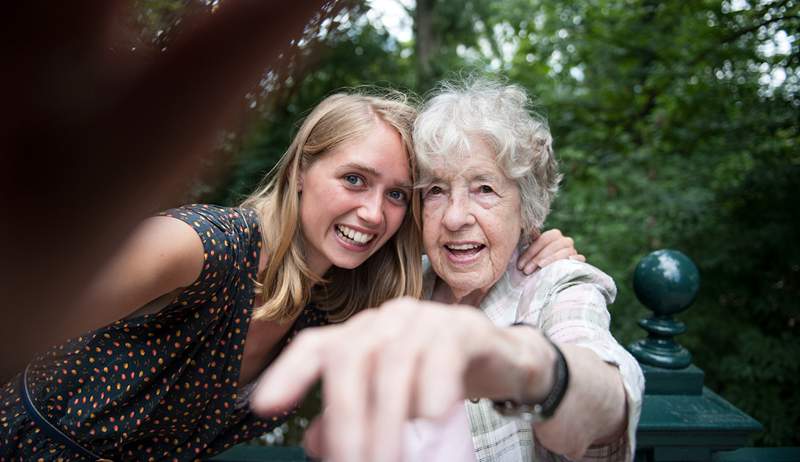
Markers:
point(458, 114)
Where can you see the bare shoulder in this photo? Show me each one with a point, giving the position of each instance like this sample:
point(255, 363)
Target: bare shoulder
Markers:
point(169, 245)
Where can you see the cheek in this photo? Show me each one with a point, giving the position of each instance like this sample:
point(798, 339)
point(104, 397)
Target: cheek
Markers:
point(394, 219)
point(430, 225)
point(504, 233)
point(317, 210)
point(309, 217)
point(431, 213)
point(487, 201)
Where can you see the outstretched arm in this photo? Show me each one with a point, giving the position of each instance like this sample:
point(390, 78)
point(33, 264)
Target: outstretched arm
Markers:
point(161, 255)
point(418, 359)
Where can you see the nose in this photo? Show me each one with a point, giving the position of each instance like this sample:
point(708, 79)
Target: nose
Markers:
point(457, 215)
point(371, 209)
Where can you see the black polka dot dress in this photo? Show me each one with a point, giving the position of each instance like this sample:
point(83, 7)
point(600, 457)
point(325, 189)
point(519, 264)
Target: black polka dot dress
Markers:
point(160, 386)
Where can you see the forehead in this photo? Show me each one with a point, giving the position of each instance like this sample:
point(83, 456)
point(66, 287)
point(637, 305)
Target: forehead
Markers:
point(477, 162)
point(380, 151)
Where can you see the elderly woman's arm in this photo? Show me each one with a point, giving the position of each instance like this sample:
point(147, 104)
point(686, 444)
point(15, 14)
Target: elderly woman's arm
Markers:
point(593, 410)
point(568, 302)
point(418, 359)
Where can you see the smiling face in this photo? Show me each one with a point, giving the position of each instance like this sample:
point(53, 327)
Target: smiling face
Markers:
point(354, 199)
point(471, 222)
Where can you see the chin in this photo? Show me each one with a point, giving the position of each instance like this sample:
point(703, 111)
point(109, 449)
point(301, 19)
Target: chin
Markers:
point(348, 264)
point(469, 284)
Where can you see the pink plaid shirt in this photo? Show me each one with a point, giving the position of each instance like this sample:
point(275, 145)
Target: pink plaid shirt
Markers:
point(567, 301)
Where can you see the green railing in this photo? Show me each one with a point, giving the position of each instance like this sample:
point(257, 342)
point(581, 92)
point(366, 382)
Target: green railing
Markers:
point(682, 420)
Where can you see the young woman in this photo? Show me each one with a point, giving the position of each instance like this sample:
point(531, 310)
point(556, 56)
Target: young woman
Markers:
point(200, 299)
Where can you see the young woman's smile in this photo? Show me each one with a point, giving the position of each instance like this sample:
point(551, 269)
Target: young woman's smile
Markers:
point(354, 199)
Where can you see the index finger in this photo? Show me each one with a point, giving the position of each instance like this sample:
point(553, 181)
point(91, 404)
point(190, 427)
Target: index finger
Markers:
point(292, 374)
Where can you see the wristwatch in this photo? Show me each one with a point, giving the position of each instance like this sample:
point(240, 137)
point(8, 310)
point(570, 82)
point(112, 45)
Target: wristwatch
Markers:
point(541, 411)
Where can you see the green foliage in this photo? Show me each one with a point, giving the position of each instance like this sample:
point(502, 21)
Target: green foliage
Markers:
point(354, 56)
point(670, 137)
point(671, 133)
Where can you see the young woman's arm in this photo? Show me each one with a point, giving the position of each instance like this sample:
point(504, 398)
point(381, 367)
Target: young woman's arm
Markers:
point(161, 255)
point(546, 248)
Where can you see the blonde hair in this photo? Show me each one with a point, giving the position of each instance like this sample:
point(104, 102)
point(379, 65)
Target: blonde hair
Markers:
point(286, 285)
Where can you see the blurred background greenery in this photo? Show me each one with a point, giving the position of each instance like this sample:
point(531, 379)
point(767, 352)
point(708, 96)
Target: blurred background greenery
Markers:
point(676, 123)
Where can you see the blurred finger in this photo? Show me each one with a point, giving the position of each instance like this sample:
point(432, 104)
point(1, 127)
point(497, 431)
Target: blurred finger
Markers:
point(394, 387)
point(313, 440)
point(347, 394)
point(291, 375)
point(440, 380)
point(392, 376)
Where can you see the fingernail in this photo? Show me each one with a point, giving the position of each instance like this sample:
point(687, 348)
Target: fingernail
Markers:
point(530, 268)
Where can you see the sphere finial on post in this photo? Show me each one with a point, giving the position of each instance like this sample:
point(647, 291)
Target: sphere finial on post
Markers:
point(666, 282)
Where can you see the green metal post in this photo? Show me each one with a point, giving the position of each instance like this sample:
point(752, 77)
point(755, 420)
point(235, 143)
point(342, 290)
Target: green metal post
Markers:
point(681, 419)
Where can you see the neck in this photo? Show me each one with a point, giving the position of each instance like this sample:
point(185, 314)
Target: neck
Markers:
point(443, 293)
point(318, 268)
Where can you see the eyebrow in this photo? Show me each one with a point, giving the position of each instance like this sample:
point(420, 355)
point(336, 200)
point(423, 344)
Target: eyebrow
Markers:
point(479, 176)
point(373, 172)
point(485, 177)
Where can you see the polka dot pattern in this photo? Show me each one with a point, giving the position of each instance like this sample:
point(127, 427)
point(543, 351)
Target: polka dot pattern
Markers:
point(160, 386)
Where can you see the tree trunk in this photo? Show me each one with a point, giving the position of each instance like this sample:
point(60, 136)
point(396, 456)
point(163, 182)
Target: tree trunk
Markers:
point(425, 43)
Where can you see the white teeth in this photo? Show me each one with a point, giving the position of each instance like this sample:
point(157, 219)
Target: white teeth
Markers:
point(462, 246)
point(354, 235)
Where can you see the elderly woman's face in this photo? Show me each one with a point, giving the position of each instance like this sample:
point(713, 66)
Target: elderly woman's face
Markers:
point(472, 221)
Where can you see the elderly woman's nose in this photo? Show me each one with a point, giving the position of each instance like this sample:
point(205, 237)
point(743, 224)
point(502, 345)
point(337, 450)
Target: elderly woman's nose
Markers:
point(457, 215)
point(371, 208)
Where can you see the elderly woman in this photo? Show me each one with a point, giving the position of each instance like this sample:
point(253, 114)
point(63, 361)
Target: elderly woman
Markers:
point(537, 346)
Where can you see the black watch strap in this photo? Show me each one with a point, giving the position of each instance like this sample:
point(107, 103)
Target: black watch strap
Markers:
point(537, 412)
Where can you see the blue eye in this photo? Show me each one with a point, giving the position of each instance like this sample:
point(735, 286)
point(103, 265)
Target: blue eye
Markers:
point(399, 196)
point(354, 180)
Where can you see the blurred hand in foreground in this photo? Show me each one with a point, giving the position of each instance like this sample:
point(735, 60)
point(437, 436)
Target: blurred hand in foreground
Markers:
point(405, 360)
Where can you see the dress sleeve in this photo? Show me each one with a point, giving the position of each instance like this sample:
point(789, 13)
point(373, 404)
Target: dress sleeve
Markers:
point(570, 305)
point(216, 227)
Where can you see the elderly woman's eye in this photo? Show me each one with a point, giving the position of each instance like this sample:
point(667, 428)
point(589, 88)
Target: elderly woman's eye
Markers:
point(486, 189)
point(354, 180)
point(433, 191)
